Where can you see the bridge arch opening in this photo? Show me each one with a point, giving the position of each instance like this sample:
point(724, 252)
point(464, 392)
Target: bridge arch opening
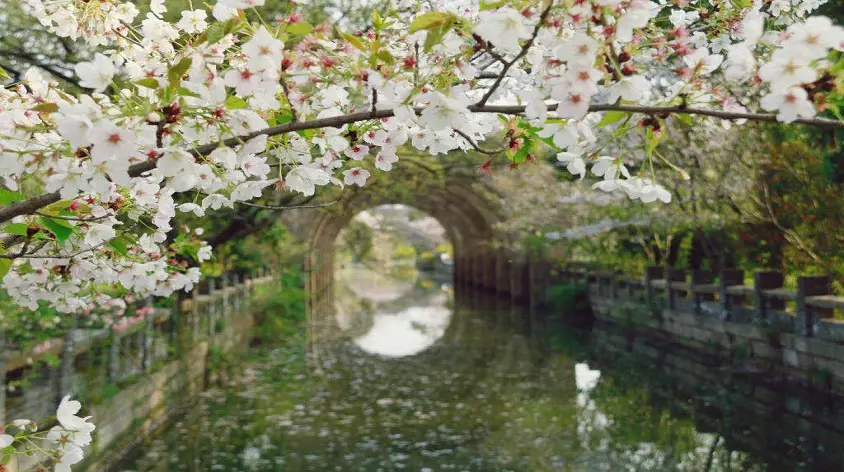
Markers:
point(393, 280)
point(467, 217)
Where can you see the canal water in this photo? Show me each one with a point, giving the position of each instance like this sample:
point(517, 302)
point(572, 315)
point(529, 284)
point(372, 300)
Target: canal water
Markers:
point(423, 382)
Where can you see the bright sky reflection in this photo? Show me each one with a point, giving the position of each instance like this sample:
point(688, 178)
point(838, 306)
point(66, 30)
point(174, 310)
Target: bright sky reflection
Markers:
point(407, 332)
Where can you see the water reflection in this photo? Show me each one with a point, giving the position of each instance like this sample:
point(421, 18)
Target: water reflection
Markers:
point(407, 332)
point(477, 398)
point(390, 317)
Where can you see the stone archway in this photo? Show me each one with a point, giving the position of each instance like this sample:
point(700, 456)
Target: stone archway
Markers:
point(468, 217)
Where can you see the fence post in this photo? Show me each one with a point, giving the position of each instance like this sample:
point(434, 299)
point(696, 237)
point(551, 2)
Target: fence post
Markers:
point(113, 356)
point(2, 375)
point(238, 292)
point(673, 275)
point(729, 277)
point(807, 319)
point(226, 309)
point(68, 360)
point(768, 280)
point(178, 332)
point(148, 335)
point(651, 273)
point(585, 276)
point(212, 306)
point(701, 277)
point(614, 285)
point(194, 311)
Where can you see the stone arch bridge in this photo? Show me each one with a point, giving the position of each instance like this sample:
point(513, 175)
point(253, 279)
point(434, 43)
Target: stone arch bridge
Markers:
point(464, 203)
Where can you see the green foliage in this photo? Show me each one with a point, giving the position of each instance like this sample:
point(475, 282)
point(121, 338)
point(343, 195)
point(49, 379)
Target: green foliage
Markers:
point(280, 308)
point(569, 303)
point(358, 239)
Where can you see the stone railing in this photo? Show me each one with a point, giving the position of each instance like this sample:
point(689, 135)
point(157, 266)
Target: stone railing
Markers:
point(796, 331)
point(168, 348)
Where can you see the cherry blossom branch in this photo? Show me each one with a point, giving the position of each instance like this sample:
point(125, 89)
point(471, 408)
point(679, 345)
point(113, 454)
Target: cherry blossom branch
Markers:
point(660, 110)
point(519, 56)
point(290, 207)
point(60, 256)
point(293, 115)
point(475, 146)
point(30, 205)
point(71, 218)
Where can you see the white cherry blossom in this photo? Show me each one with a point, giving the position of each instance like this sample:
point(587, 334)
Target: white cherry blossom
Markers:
point(355, 176)
point(97, 74)
point(504, 28)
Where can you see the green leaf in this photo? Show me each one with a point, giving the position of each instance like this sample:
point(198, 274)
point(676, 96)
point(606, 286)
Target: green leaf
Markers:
point(235, 103)
point(148, 82)
point(300, 28)
point(354, 41)
point(283, 119)
point(16, 228)
point(119, 245)
point(611, 117)
point(216, 32)
point(4, 74)
point(186, 92)
point(386, 57)
point(487, 5)
point(60, 228)
point(8, 196)
point(175, 73)
point(5, 265)
point(377, 21)
point(47, 107)
point(426, 21)
point(436, 35)
point(686, 119)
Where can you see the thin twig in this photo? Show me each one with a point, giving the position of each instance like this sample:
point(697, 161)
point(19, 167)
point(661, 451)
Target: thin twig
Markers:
point(72, 218)
point(518, 57)
point(294, 116)
point(59, 256)
point(374, 99)
point(291, 207)
point(475, 146)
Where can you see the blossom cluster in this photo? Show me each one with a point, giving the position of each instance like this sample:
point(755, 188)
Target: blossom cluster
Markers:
point(60, 446)
point(215, 110)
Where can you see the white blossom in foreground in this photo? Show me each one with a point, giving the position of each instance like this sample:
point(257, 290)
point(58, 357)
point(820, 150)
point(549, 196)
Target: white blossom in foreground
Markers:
point(64, 442)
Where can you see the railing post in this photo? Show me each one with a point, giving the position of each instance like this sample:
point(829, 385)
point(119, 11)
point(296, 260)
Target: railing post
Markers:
point(729, 277)
point(701, 277)
point(226, 308)
point(176, 323)
point(238, 292)
point(673, 275)
point(194, 311)
point(807, 319)
point(114, 356)
point(651, 273)
point(2, 375)
point(767, 280)
point(68, 361)
point(585, 276)
point(148, 336)
point(212, 306)
point(614, 285)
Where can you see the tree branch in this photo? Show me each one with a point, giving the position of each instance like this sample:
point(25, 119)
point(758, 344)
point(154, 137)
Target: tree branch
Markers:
point(30, 205)
point(294, 116)
point(290, 207)
point(475, 146)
